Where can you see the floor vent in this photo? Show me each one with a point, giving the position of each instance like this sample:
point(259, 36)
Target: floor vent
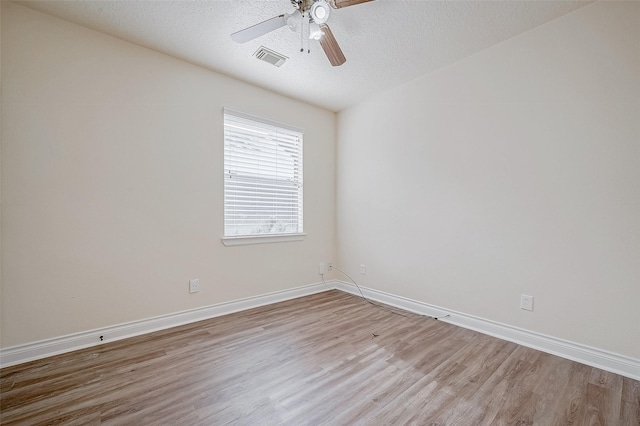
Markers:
point(270, 56)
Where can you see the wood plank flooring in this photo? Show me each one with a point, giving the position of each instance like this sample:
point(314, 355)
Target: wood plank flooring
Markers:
point(331, 359)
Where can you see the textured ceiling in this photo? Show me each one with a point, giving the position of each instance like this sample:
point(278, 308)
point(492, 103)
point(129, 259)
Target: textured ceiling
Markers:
point(386, 42)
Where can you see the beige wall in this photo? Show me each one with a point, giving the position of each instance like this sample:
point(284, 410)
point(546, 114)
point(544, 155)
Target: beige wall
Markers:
point(112, 183)
point(0, 173)
point(516, 170)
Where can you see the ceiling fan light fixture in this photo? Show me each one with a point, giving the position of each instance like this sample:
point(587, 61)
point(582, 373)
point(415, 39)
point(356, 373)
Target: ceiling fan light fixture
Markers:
point(320, 11)
point(315, 32)
point(293, 20)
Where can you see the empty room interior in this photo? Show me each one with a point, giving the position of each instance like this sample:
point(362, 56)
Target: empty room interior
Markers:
point(312, 212)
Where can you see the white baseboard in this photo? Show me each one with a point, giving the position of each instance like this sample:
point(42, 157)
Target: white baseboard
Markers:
point(49, 347)
point(604, 360)
point(594, 357)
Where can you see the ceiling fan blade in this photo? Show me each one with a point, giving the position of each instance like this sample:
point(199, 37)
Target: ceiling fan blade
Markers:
point(337, 4)
point(331, 47)
point(258, 30)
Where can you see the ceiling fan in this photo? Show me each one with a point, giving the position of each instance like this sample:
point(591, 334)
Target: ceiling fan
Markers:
point(318, 12)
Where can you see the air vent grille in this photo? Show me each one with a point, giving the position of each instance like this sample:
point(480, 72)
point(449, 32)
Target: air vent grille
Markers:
point(268, 55)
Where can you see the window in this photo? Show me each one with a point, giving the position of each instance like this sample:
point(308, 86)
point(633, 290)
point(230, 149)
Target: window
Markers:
point(262, 177)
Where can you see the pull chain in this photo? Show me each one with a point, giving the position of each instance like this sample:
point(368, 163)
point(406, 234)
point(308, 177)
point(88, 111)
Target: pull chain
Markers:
point(301, 34)
point(308, 34)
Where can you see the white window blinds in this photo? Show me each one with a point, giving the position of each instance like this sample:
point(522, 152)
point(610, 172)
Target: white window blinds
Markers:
point(262, 177)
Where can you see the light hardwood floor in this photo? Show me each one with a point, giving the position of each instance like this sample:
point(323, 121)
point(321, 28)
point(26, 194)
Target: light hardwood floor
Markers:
point(329, 358)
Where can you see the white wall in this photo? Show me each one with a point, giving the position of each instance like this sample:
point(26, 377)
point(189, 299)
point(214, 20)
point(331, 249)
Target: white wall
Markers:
point(112, 183)
point(516, 170)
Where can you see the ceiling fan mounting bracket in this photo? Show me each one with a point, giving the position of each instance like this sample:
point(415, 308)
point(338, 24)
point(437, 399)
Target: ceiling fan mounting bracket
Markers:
point(306, 5)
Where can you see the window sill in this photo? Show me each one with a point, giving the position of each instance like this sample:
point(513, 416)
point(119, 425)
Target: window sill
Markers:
point(262, 239)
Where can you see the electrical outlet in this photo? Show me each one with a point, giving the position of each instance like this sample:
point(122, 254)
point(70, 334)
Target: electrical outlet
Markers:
point(329, 266)
point(194, 285)
point(363, 269)
point(526, 302)
point(321, 268)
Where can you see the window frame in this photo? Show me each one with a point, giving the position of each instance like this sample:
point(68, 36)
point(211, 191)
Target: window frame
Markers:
point(261, 238)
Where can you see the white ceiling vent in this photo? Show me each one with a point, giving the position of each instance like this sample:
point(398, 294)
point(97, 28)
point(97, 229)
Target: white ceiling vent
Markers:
point(270, 56)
